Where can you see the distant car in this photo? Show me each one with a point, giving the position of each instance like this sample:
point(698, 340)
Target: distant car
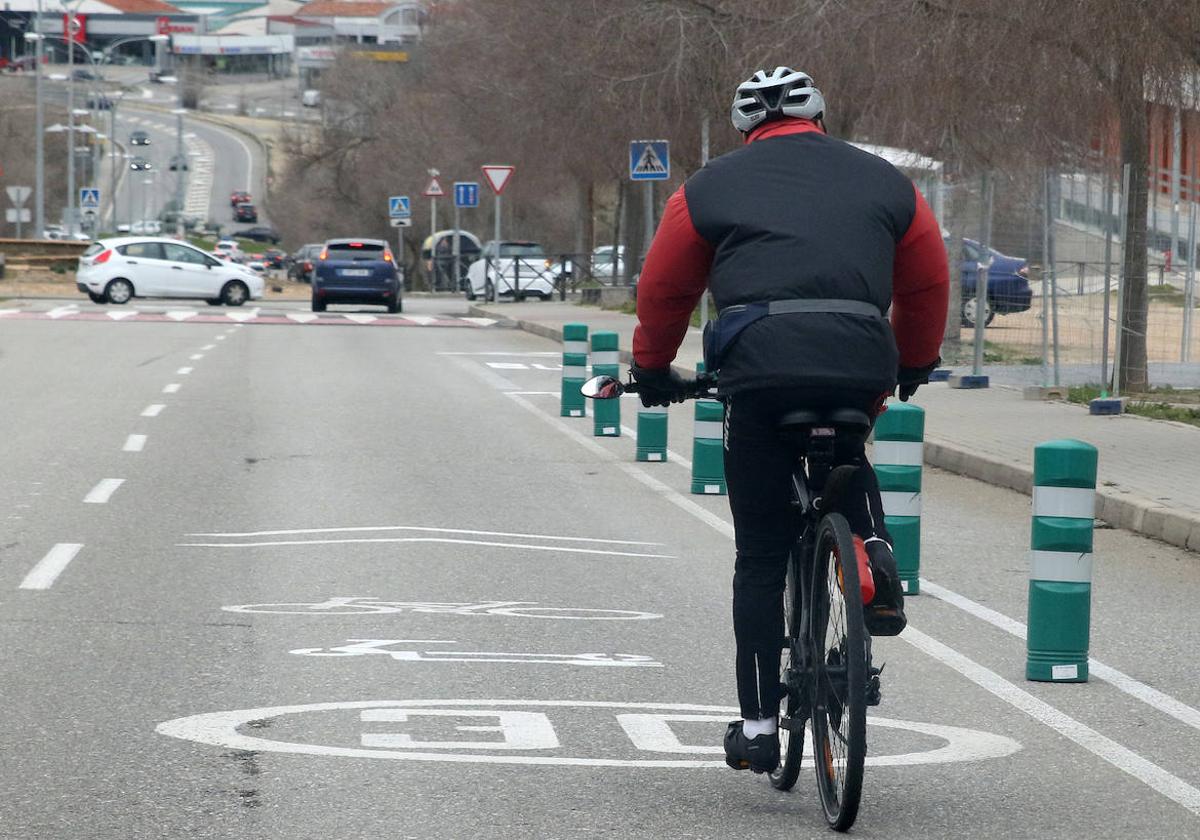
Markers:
point(139, 163)
point(1008, 284)
point(178, 163)
point(356, 271)
point(147, 227)
point(239, 197)
point(300, 266)
point(517, 269)
point(118, 270)
point(99, 102)
point(228, 249)
point(311, 98)
point(139, 138)
point(245, 212)
point(257, 265)
point(259, 234)
point(274, 258)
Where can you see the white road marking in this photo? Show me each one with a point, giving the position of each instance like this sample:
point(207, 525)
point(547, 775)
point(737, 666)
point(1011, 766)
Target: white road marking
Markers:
point(208, 347)
point(125, 313)
point(4, 312)
point(134, 443)
point(361, 528)
point(359, 319)
point(195, 357)
point(1151, 696)
point(153, 410)
point(184, 371)
point(532, 394)
point(43, 575)
point(355, 605)
point(181, 314)
point(422, 320)
point(366, 647)
point(171, 388)
point(221, 337)
point(242, 316)
point(507, 365)
point(490, 353)
point(1099, 745)
point(303, 317)
point(226, 730)
point(446, 540)
point(63, 311)
point(485, 322)
point(102, 492)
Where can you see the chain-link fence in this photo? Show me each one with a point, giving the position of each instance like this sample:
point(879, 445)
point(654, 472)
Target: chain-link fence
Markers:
point(1048, 247)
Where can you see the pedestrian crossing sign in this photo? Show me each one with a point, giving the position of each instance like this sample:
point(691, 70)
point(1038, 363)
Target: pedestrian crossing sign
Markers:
point(398, 207)
point(89, 198)
point(649, 160)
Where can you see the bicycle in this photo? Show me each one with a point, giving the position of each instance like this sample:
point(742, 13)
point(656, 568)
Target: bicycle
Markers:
point(827, 679)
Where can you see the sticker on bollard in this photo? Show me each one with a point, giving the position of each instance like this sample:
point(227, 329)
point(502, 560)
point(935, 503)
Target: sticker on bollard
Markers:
point(1060, 561)
point(606, 362)
point(898, 458)
point(652, 433)
point(708, 447)
point(575, 362)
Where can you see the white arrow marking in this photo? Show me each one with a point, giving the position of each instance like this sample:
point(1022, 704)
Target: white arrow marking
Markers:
point(360, 319)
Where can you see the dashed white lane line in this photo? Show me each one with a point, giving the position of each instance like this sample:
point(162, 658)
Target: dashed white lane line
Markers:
point(208, 346)
point(134, 443)
point(196, 356)
point(1122, 758)
point(43, 575)
point(221, 337)
point(102, 492)
point(184, 371)
point(171, 388)
point(153, 410)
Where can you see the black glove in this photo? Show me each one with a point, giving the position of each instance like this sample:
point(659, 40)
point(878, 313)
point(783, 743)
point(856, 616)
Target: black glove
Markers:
point(659, 386)
point(909, 379)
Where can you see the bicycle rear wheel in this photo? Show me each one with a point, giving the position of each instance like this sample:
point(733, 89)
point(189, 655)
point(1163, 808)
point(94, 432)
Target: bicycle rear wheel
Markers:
point(839, 651)
point(793, 713)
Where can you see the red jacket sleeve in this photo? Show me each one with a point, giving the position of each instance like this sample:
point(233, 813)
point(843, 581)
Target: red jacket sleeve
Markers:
point(673, 278)
point(920, 289)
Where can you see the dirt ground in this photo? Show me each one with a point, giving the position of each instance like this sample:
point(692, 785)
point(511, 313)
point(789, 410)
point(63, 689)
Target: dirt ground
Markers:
point(18, 284)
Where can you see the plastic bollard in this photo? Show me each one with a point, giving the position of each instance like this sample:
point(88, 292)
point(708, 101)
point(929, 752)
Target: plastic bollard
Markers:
point(652, 433)
point(574, 361)
point(898, 458)
point(708, 447)
point(606, 362)
point(1060, 561)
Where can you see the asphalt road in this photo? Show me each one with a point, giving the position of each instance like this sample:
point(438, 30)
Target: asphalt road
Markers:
point(350, 582)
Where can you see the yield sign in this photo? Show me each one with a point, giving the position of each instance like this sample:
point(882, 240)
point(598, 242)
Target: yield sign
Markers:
point(434, 190)
point(497, 176)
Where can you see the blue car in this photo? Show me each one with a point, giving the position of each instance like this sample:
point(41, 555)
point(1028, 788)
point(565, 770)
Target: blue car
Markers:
point(1008, 284)
point(356, 271)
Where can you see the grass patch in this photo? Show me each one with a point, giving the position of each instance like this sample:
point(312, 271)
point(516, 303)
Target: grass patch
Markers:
point(1159, 403)
point(249, 246)
point(963, 353)
point(1166, 294)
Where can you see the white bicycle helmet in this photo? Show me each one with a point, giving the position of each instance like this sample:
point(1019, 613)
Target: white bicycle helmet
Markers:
point(783, 92)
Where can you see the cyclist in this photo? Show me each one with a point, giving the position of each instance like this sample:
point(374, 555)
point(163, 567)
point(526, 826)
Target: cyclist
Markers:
point(804, 241)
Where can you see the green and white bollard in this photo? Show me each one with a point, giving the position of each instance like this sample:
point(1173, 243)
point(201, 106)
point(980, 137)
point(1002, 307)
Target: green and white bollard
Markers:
point(652, 433)
point(606, 362)
point(899, 450)
point(708, 447)
point(1060, 561)
point(575, 362)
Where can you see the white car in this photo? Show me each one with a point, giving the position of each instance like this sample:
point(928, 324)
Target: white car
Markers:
point(311, 98)
point(146, 227)
point(118, 270)
point(516, 269)
point(229, 249)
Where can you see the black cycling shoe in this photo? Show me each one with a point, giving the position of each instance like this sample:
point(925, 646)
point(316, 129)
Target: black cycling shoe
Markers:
point(885, 614)
point(760, 754)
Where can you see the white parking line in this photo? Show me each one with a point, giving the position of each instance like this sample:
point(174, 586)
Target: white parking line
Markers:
point(134, 443)
point(184, 371)
point(102, 492)
point(1118, 756)
point(43, 575)
point(171, 388)
point(153, 410)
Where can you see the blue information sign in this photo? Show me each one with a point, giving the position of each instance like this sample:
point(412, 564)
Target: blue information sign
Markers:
point(649, 160)
point(398, 207)
point(89, 198)
point(466, 193)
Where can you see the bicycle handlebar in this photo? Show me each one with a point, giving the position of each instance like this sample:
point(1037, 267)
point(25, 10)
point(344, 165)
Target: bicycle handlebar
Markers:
point(608, 387)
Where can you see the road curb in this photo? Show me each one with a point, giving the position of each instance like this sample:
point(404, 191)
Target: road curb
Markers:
point(1120, 510)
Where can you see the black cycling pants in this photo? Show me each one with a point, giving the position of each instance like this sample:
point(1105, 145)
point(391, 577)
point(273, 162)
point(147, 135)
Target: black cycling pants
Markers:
point(758, 468)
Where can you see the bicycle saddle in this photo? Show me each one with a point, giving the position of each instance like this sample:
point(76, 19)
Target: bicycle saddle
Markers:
point(840, 417)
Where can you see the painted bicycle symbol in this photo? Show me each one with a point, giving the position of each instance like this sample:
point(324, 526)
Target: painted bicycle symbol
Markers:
point(356, 605)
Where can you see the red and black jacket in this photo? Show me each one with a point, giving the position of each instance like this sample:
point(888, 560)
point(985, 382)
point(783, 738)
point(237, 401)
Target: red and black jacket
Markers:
point(796, 214)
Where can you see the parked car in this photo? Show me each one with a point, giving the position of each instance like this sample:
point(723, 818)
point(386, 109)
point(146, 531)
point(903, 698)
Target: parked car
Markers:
point(1008, 284)
point(239, 197)
point(139, 163)
point(437, 253)
point(259, 234)
point(300, 264)
point(311, 98)
point(517, 269)
point(601, 268)
point(356, 271)
point(139, 138)
point(245, 212)
point(118, 270)
point(258, 265)
point(146, 227)
point(275, 258)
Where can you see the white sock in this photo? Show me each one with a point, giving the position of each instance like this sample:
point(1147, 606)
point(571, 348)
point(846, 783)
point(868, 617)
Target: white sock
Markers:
point(754, 728)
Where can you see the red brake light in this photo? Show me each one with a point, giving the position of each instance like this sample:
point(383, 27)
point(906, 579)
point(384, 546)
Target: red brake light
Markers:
point(103, 256)
point(324, 254)
point(307, 265)
point(387, 256)
point(355, 244)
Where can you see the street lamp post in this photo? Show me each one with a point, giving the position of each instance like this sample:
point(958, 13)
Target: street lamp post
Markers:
point(39, 218)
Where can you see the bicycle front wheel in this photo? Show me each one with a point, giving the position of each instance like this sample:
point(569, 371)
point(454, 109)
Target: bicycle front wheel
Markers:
point(839, 652)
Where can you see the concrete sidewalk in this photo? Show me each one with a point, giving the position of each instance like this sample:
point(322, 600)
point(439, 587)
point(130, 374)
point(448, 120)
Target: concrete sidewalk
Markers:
point(1147, 474)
